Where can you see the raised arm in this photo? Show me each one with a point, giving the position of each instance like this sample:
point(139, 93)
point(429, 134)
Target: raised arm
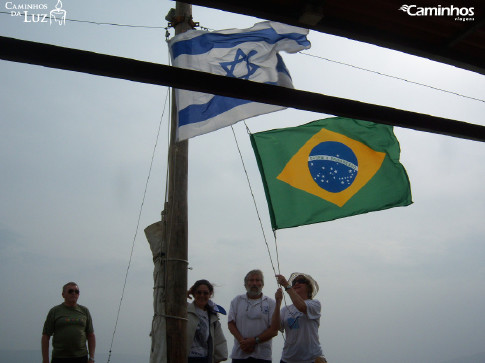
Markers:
point(272, 330)
point(275, 319)
point(296, 299)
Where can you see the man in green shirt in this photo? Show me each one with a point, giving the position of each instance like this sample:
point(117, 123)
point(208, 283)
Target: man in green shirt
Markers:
point(71, 325)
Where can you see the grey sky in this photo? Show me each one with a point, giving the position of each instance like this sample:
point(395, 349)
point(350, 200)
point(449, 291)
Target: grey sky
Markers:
point(402, 285)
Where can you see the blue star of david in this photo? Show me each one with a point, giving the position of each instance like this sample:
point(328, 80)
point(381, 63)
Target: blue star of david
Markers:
point(240, 57)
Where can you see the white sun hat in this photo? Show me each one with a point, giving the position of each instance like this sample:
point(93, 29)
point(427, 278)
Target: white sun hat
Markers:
point(310, 279)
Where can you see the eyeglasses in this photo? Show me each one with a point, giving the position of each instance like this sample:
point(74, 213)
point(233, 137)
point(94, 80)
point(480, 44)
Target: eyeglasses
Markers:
point(73, 291)
point(298, 281)
point(202, 293)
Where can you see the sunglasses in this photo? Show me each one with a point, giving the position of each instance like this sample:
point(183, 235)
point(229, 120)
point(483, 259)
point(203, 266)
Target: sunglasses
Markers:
point(73, 291)
point(298, 281)
point(202, 293)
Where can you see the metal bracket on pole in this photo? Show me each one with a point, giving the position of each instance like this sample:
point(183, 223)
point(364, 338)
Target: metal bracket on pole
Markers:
point(174, 20)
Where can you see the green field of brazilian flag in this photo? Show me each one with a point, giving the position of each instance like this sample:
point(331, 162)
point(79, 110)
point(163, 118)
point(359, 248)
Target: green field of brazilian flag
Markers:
point(329, 169)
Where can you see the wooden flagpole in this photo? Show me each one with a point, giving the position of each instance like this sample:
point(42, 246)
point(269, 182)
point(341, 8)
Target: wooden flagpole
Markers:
point(177, 226)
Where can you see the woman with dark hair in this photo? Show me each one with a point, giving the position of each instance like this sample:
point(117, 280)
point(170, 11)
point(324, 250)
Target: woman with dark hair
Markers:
point(205, 340)
point(301, 320)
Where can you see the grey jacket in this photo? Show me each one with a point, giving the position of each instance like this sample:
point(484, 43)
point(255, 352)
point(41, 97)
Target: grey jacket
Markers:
point(219, 343)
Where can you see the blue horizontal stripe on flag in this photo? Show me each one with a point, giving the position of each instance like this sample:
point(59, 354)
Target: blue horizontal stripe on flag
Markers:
point(205, 42)
point(217, 105)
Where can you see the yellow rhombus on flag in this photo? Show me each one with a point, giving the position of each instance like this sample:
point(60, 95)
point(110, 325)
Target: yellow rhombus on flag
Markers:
point(297, 173)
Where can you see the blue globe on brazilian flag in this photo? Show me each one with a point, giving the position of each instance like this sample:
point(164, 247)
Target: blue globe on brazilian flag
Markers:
point(329, 169)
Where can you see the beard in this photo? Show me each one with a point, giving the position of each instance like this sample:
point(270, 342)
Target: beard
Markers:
point(254, 291)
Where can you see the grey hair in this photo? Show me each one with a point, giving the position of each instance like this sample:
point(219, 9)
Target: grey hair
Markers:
point(253, 272)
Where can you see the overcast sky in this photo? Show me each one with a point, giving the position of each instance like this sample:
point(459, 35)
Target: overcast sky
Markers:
point(401, 285)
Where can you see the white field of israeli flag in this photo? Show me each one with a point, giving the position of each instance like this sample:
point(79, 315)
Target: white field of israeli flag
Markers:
point(250, 54)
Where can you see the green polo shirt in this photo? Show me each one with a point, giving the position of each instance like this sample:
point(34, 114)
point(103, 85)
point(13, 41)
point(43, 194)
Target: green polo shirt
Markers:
point(70, 326)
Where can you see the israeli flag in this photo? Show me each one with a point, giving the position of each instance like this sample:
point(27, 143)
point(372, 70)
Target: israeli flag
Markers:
point(250, 54)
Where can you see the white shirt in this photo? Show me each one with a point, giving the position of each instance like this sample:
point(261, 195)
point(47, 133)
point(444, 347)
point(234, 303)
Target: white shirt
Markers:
point(200, 346)
point(302, 344)
point(252, 317)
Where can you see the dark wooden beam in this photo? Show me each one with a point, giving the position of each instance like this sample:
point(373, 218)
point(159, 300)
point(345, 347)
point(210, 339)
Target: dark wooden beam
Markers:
point(138, 71)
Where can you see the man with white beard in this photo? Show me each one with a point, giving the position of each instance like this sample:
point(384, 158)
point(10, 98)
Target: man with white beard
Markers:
point(249, 321)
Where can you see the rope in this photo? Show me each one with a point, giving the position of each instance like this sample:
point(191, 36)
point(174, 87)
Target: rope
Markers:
point(259, 217)
point(171, 317)
point(277, 253)
point(393, 77)
point(254, 199)
point(137, 228)
point(167, 178)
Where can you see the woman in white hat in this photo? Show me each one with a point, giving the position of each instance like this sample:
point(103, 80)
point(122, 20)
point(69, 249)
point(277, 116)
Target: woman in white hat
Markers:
point(301, 320)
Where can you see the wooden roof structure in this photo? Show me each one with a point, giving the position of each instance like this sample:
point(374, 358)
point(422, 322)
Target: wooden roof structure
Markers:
point(451, 32)
point(445, 39)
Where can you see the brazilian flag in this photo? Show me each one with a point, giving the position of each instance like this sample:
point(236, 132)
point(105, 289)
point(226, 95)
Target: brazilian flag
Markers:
point(328, 169)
